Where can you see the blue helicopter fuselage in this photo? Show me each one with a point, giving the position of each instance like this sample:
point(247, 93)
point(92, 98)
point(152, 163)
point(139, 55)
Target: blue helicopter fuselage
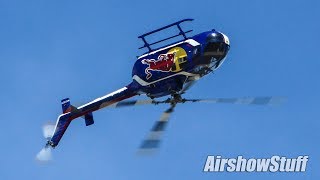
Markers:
point(160, 72)
point(164, 71)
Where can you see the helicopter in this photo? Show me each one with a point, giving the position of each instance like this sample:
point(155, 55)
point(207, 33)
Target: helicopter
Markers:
point(165, 71)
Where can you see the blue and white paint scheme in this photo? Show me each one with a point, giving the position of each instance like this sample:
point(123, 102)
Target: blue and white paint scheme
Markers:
point(159, 72)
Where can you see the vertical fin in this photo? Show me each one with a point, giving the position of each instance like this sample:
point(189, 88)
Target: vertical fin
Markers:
point(66, 107)
point(61, 126)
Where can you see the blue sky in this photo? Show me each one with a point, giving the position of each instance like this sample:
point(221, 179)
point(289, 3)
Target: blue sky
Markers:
point(50, 50)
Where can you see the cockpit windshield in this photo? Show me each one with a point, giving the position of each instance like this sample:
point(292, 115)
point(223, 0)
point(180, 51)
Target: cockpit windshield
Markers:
point(217, 51)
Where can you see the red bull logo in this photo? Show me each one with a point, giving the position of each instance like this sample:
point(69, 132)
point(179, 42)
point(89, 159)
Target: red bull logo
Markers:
point(170, 62)
point(163, 64)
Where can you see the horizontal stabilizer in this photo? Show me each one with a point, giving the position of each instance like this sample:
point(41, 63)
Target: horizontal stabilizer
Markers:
point(89, 119)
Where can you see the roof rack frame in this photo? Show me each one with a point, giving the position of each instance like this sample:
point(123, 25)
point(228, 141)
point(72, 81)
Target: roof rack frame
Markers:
point(181, 33)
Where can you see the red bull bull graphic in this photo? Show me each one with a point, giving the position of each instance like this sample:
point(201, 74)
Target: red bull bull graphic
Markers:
point(164, 64)
point(169, 62)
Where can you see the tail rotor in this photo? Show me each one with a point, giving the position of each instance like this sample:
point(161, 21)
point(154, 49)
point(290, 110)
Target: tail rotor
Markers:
point(45, 154)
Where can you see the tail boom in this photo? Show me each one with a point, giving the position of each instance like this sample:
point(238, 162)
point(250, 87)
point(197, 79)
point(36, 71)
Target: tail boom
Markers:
point(70, 112)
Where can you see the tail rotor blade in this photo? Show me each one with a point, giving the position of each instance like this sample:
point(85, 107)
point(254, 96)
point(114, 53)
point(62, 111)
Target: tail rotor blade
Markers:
point(47, 130)
point(44, 155)
point(153, 139)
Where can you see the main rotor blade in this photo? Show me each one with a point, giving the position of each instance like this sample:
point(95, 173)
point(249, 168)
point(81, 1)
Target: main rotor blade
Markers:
point(152, 140)
point(245, 100)
point(136, 102)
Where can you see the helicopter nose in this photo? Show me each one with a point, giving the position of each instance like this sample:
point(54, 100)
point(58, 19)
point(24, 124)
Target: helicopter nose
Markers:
point(217, 46)
point(215, 37)
point(218, 37)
